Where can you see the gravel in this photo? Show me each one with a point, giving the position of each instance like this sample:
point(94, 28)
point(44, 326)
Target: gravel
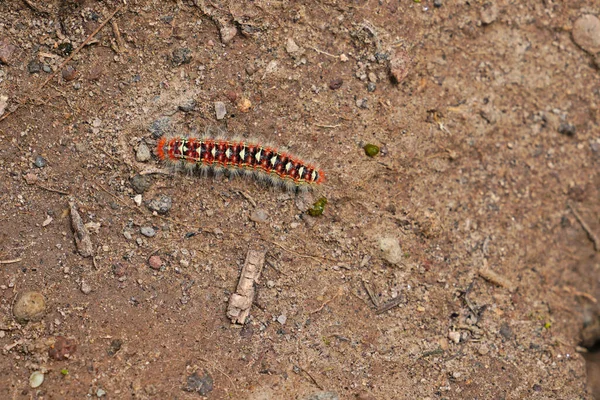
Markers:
point(155, 262)
point(181, 56)
point(259, 215)
point(199, 384)
point(29, 306)
point(220, 109)
point(147, 231)
point(188, 105)
point(140, 183)
point(143, 153)
point(567, 129)
point(161, 204)
point(6, 52)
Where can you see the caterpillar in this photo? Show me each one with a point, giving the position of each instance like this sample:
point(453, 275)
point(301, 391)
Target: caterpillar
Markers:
point(236, 156)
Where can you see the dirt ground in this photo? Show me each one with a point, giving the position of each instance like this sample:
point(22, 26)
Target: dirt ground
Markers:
point(455, 264)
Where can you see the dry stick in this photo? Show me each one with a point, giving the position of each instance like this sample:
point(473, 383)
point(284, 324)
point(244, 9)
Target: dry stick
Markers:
point(52, 190)
point(324, 52)
point(60, 67)
point(10, 261)
point(327, 302)
point(312, 378)
point(586, 228)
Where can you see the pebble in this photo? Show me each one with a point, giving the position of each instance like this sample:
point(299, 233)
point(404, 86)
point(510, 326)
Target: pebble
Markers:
point(505, 331)
point(159, 127)
point(100, 392)
point(161, 204)
point(155, 262)
point(489, 13)
point(140, 183)
point(244, 105)
point(29, 306)
point(6, 52)
point(220, 109)
point(400, 65)
point(3, 103)
point(391, 251)
point(147, 231)
point(202, 385)
point(36, 379)
point(181, 56)
point(259, 215)
point(361, 103)
point(586, 33)
point(85, 287)
point(34, 67)
point(270, 284)
point(40, 162)
point(343, 57)
point(372, 77)
point(454, 336)
point(293, 49)
point(336, 83)
point(46, 68)
point(483, 349)
point(143, 153)
point(188, 105)
point(137, 199)
point(567, 129)
point(282, 319)
point(69, 73)
point(437, 3)
point(371, 87)
point(323, 396)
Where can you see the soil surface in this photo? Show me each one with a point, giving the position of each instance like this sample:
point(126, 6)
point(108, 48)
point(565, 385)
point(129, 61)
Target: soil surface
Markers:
point(454, 264)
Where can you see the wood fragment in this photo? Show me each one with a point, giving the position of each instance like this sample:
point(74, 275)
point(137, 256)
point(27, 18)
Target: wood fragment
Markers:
point(82, 236)
point(118, 38)
point(15, 260)
point(591, 235)
point(371, 293)
point(240, 302)
point(339, 292)
point(395, 302)
point(52, 190)
point(496, 278)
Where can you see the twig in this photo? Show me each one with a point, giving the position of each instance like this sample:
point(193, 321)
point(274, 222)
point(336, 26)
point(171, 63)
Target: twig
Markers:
point(14, 260)
point(35, 7)
point(300, 254)
point(247, 197)
point(576, 292)
point(52, 190)
point(324, 52)
point(118, 38)
point(396, 301)
point(369, 291)
point(312, 378)
point(327, 302)
point(328, 126)
point(586, 228)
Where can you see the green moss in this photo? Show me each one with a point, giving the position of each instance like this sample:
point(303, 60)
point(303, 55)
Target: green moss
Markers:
point(317, 208)
point(371, 150)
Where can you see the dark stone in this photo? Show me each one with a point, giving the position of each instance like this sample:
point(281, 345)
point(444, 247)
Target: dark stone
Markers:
point(34, 67)
point(371, 87)
point(160, 127)
point(567, 129)
point(65, 49)
point(40, 162)
point(114, 347)
point(336, 83)
point(202, 385)
point(161, 204)
point(140, 183)
point(188, 105)
point(506, 331)
point(437, 3)
point(181, 56)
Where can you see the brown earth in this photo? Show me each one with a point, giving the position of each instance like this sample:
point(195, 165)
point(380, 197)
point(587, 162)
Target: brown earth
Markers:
point(487, 118)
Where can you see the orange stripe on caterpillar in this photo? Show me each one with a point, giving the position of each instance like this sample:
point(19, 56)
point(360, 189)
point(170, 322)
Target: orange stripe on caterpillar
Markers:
point(281, 168)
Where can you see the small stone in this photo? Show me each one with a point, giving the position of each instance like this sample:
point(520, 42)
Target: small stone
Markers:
point(293, 49)
point(437, 3)
point(147, 231)
point(188, 106)
point(85, 287)
point(199, 384)
point(40, 162)
point(270, 284)
point(69, 73)
point(567, 129)
point(161, 204)
point(362, 103)
point(100, 392)
point(6, 52)
point(140, 183)
point(36, 379)
point(336, 83)
point(47, 221)
point(391, 251)
point(181, 56)
point(259, 215)
point(244, 105)
point(29, 306)
point(506, 331)
point(34, 67)
point(155, 262)
point(3, 103)
point(119, 270)
point(323, 396)
point(282, 319)
point(454, 336)
point(220, 109)
point(363, 395)
point(586, 33)
point(62, 349)
point(160, 127)
point(400, 65)
point(143, 153)
point(489, 13)
point(372, 77)
point(30, 177)
point(483, 349)
point(371, 87)
point(46, 68)
point(343, 57)
point(137, 199)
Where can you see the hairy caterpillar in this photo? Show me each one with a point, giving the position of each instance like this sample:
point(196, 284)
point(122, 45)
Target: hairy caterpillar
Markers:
point(236, 156)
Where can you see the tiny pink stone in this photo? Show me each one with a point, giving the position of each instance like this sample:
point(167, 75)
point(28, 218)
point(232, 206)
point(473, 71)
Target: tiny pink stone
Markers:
point(155, 262)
